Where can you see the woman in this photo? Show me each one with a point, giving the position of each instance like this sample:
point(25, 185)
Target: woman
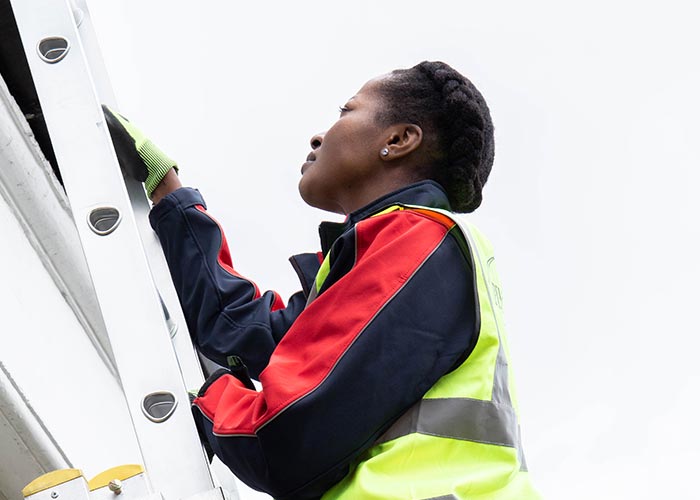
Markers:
point(386, 376)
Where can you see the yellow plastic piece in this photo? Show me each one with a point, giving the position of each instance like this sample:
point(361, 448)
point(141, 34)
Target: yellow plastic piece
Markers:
point(120, 472)
point(49, 480)
point(392, 208)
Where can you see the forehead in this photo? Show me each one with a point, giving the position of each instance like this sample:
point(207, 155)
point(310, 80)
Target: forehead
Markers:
point(370, 91)
point(373, 85)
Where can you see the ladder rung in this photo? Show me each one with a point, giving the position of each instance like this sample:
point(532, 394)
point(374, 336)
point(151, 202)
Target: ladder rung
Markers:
point(121, 473)
point(51, 480)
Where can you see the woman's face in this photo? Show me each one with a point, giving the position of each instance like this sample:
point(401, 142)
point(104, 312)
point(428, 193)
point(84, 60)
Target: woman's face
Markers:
point(340, 174)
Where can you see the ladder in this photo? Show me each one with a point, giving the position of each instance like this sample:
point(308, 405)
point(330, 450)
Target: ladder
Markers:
point(152, 349)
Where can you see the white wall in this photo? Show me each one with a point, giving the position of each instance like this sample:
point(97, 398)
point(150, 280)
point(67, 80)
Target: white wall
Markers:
point(590, 203)
point(50, 368)
point(49, 357)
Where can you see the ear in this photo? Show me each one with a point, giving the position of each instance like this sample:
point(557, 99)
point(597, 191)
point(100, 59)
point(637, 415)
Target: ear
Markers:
point(402, 140)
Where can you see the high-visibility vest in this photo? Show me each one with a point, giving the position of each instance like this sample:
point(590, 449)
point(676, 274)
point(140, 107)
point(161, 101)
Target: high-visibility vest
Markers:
point(462, 440)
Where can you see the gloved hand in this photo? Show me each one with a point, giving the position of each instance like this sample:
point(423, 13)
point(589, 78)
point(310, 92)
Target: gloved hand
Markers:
point(137, 155)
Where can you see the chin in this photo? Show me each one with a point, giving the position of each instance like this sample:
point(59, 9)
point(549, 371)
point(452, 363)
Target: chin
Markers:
point(303, 190)
point(307, 193)
point(315, 199)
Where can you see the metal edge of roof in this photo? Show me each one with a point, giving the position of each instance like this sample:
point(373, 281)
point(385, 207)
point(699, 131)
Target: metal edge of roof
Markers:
point(28, 448)
point(37, 200)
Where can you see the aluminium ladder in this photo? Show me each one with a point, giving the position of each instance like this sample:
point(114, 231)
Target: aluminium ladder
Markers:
point(125, 263)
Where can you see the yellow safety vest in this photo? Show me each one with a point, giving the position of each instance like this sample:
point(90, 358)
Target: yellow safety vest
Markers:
point(462, 440)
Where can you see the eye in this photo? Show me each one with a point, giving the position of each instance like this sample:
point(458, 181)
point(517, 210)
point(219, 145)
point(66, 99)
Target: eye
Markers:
point(343, 109)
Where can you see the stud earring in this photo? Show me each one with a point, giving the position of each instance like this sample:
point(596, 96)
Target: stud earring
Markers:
point(384, 152)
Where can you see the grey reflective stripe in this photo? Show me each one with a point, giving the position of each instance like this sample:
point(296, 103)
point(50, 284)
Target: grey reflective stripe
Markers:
point(500, 393)
point(443, 497)
point(521, 454)
point(313, 293)
point(458, 418)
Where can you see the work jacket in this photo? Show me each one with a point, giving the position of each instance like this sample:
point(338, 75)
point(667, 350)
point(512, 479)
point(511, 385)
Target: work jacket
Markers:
point(462, 439)
point(389, 310)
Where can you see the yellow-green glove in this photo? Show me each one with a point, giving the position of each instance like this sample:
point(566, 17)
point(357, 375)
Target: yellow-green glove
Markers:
point(137, 155)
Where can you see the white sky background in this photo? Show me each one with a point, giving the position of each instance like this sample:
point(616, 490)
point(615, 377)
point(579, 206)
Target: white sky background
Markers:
point(591, 203)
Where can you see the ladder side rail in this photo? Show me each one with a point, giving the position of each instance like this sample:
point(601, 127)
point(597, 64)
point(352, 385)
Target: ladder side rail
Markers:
point(128, 298)
point(140, 204)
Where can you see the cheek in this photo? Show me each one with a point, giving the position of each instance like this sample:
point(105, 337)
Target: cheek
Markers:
point(332, 140)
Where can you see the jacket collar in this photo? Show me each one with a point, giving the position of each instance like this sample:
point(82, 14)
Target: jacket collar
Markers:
point(425, 193)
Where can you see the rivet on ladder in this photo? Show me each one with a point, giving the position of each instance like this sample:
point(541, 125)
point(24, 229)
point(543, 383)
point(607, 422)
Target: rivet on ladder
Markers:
point(115, 485)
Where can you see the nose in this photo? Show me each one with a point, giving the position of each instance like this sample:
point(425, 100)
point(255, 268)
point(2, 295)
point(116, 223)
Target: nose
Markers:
point(317, 140)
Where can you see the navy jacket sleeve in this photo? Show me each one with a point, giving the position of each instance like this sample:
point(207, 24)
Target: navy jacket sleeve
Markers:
point(395, 313)
point(226, 313)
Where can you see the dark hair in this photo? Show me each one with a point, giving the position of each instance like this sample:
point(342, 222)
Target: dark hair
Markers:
point(456, 124)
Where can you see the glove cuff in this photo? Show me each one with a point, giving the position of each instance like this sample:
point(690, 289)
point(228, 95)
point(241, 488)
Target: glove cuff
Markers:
point(157, 163)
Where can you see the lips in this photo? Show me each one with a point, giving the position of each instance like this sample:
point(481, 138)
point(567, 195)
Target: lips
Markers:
point(309, 160)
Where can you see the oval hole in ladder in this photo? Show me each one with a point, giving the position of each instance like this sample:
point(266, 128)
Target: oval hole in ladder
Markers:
point(53, 49)
point(159, 406)
point(104, 220)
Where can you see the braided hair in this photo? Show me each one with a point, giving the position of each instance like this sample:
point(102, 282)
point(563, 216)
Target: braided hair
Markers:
point(456, 124)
